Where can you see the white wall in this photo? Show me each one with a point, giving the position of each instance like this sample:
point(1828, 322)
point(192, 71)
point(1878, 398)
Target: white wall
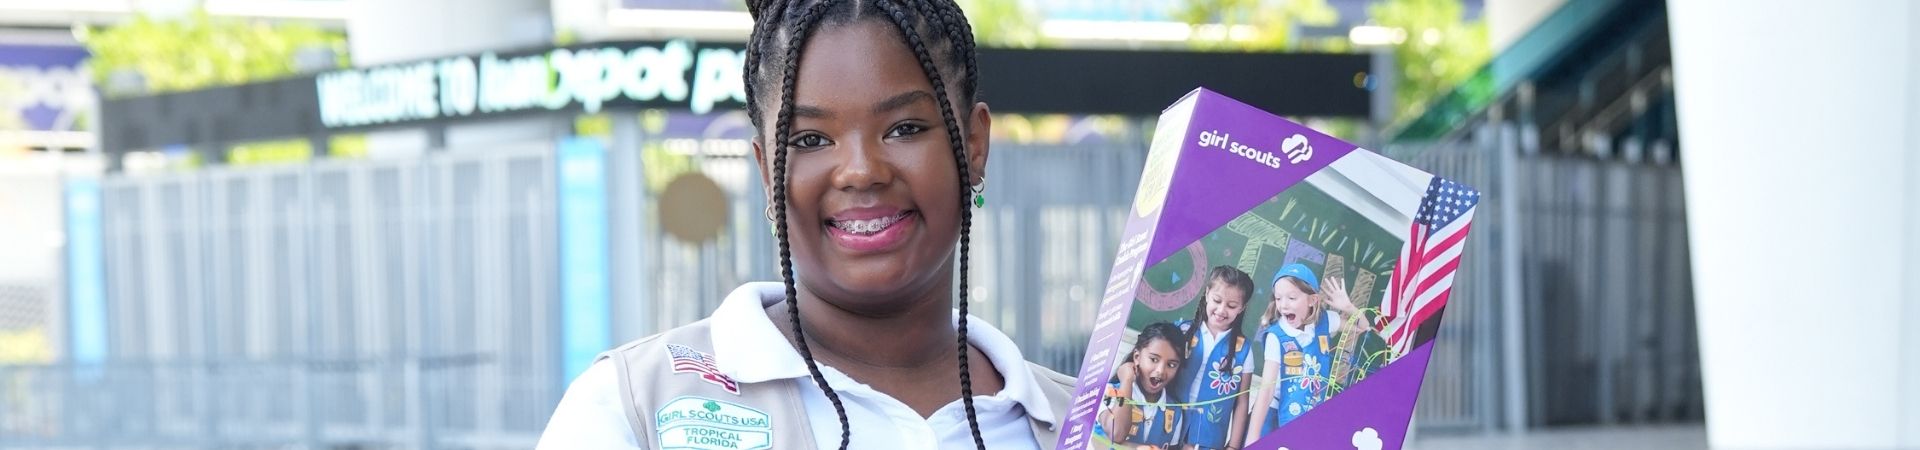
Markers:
point(393, 31)
point(1797, 126)
point(1507, 20)
point(30, 221)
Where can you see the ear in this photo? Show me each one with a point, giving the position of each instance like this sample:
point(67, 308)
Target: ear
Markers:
point(766, 172)
point(979, 137)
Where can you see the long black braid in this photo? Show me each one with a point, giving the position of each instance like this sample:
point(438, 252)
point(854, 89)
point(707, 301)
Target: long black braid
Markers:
point(783, 132)
point(956, 138)
point(943, 14)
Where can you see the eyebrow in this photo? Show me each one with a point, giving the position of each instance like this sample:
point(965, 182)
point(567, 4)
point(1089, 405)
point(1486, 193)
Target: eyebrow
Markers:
point(884, 106)
point(811, 112)
point(901, 101)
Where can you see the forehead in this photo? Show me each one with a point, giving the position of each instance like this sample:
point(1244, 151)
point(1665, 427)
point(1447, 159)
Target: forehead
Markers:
point(1221, 286)
point(1285, 286)
point(1159, 346)
point(846, 67)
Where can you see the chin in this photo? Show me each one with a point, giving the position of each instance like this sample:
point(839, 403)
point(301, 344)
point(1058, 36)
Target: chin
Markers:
point(873, 286)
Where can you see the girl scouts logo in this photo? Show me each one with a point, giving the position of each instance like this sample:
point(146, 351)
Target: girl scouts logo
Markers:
point(701, 423)
point(1297, 148)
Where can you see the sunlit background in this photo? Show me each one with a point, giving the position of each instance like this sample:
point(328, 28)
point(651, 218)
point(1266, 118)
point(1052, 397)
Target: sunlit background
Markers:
point(360, 224)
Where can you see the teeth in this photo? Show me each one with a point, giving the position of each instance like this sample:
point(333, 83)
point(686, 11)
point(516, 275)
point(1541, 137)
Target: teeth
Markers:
point(868, 226)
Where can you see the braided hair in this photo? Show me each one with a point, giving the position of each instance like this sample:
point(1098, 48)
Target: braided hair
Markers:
point(1234, 278)
point(941, 39)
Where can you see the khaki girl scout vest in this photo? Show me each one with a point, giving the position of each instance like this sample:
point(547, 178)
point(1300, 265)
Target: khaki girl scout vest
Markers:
point(685, 408)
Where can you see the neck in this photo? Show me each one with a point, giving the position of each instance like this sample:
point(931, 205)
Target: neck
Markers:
point(916, 337)
point(1211, 330)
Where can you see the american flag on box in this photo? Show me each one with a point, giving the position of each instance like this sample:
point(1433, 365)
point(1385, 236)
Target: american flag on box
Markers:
point(687, 360)
point(1423, 277)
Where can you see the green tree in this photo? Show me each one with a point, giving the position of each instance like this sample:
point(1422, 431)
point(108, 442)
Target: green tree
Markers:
point(1273, 23)
point(1441, 51)
point(1003, 23)
point(198, 51)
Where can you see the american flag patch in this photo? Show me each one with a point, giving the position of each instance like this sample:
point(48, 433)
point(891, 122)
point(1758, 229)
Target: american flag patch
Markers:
point(687, 360)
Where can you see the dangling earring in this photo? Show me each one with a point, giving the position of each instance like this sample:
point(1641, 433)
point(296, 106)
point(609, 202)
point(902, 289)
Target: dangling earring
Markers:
point(979, 194)
point(773, 228)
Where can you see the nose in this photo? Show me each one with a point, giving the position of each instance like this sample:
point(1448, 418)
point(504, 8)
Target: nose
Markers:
point(863, 165)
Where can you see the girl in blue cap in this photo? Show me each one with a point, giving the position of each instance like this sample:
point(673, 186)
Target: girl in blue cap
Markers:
point(1297, 333)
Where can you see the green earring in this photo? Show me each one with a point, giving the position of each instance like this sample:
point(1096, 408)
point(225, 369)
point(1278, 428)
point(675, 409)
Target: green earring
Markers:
point(980, 194)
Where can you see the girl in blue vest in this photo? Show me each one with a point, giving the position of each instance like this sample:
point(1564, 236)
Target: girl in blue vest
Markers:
point(1297, 333)
point(1140, 410)
point(1217, 352)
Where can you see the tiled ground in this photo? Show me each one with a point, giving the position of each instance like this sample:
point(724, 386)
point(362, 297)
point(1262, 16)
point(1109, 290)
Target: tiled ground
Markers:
point(1685, 437)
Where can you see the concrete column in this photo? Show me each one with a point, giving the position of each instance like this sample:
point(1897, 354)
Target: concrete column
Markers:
point(1802, 165)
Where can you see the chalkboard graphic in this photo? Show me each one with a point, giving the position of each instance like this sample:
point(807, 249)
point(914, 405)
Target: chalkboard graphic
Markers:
point(1188, 282)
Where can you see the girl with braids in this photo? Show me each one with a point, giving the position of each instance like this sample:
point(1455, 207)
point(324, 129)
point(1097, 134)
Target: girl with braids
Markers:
point(872, 145)
point(1216, 371)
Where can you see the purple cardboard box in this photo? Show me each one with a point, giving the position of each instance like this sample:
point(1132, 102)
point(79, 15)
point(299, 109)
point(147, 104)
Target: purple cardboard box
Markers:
point(1275, 288)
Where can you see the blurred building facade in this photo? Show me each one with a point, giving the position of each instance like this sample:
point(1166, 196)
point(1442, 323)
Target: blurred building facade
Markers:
point(434, 284)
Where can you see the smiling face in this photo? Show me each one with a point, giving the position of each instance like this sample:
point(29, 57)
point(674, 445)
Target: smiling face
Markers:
point(1296, 305)
point(873, 186)
point(1155, 364)
point(1225, 302)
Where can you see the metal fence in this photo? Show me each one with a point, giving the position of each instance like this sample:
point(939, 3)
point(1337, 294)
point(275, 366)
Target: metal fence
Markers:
point(415, 303)
point(1576, 305)
point(334, 305)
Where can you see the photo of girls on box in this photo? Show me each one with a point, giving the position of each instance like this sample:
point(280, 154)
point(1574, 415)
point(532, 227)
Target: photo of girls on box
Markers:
point(1253, 326)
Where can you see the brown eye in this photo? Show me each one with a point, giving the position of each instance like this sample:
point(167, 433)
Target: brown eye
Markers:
point(905, 130)
point(807, 142)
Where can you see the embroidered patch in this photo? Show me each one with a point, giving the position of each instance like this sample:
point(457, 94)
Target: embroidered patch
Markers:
point(687, 360)
point(708, 424)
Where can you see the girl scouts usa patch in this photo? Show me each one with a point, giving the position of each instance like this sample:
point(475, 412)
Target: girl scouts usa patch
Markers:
point(708, 424)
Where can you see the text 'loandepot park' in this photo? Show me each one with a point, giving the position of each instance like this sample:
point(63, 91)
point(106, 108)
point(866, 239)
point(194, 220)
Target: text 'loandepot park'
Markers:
point(676, 72)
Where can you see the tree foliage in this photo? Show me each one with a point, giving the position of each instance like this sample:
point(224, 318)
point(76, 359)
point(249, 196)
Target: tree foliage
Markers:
point(1441, 50)
point(1003, 23)
point(198, 51)
point(1274, 23)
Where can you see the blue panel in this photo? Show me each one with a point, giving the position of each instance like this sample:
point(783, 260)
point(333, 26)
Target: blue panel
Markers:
point(86, 273)
point(586, 313)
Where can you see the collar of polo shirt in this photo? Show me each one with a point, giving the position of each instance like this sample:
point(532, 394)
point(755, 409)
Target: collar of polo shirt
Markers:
point(748, 348)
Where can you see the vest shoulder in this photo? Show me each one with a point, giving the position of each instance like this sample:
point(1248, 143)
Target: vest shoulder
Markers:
point(696, 335)
point(1058, 389)
point(1051, 378)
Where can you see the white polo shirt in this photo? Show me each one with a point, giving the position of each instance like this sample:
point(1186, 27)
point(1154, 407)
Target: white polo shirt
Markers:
point(748, 348)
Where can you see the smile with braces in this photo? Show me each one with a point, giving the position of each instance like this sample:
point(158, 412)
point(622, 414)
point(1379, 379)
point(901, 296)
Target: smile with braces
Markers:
point(869, 226)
